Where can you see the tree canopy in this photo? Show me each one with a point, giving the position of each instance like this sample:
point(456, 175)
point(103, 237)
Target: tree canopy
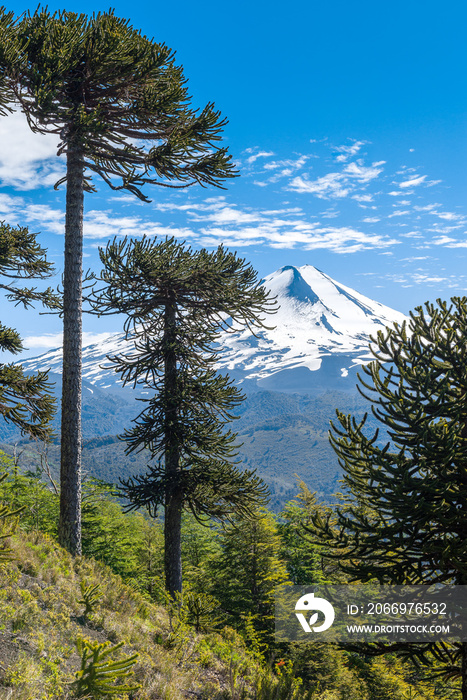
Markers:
point(177, 301)
point(103, 86)
point(406, 522)
point(25, 400)
point(120, 109)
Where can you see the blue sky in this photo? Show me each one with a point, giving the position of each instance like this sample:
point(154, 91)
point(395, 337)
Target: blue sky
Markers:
point(347, 122)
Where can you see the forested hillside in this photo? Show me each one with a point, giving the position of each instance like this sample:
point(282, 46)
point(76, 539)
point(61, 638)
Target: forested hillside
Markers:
point(280, 435)
point(111, 601)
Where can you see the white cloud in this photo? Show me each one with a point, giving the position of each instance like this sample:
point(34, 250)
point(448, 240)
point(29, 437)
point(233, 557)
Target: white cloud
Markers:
point(363, 198)
point(399, 212)
point(227, 215)
point(443, 240)
point(262, 154)
point(9, 205)
point(413, 182)
point(411, 234)
point(279, 233)
point(327, 186)
point(101, 224)
point(449, 242)
point(427, 207)
point(449, 216)
point(284, 168)
point(27, 161)
point(46, 217)
point(362, 173)
point(329, 214)
point(347, 152)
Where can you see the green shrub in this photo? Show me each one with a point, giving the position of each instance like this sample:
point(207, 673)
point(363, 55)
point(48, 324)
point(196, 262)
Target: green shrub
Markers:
point(97, 674)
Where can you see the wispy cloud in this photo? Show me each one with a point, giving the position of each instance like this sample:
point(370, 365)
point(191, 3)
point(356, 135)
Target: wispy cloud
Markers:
point(103, 224)
point(260, 154)
point(337, 185)
point(362, 173)
point(413, 182)
point(346, 152)
point(328, 186)
point(449, 242)
point(281, 169)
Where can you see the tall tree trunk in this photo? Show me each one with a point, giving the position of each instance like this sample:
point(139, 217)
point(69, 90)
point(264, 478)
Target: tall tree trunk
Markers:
point(69, 531)
point(173, 495)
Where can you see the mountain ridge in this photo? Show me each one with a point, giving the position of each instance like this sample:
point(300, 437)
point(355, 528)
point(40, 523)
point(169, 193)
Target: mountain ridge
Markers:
point(317, 318)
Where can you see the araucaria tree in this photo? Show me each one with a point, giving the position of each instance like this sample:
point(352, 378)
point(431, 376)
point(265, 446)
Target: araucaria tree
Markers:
point(120, 108)
point(408, 522)
point(25, 400)
point(177, 301)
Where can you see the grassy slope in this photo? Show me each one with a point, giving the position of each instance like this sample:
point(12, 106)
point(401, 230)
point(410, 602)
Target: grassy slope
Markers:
point(41, 618)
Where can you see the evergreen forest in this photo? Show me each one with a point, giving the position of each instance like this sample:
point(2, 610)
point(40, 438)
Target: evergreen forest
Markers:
point(155, 575)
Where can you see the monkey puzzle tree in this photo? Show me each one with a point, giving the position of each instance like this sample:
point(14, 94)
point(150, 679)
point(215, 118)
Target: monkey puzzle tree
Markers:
point(120, 108)
point(177, 301)
point(25, 400)
point(408, 522)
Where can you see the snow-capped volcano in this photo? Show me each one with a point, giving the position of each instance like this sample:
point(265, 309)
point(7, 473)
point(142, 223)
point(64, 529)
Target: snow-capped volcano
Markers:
point(320, 325)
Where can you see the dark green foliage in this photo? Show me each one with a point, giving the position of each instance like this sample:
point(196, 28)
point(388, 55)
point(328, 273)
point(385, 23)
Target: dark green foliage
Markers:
point(285, 686)
point(304, 560)
point(25, 400)
point(26, 491)
point(10, 55)
point(98, 673)
point(247, 573)
point(299, 445)
point(104, 89)
point(202, 610)
point(177, 302)
point(107, 534)
point(407, 521)
point(99, 83)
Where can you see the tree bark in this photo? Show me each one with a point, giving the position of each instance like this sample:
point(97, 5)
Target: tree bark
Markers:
point(173, 495)
point(69, 530)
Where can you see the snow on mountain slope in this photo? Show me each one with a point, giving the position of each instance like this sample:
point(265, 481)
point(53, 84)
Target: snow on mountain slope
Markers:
point(318, 318)
point(320, 325)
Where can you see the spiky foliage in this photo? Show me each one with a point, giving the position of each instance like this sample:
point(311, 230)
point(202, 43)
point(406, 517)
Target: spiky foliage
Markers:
point(176, 301)
point(25, 400)
point(10, 55)
point(91, 595)
point(120, 107)
point(98, 673)
point(407, 523)
point(103, 86)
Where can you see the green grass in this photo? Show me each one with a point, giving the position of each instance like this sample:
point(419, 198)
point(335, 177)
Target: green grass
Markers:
point(42, 617)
